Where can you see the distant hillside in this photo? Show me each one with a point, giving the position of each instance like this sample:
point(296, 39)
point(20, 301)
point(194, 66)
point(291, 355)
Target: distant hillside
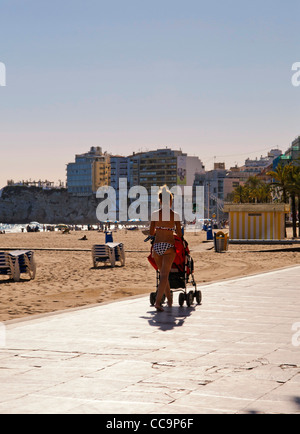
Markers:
point(23, 205)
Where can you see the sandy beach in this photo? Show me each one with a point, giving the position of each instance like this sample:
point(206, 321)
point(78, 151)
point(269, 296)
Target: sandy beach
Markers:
point(67, 279)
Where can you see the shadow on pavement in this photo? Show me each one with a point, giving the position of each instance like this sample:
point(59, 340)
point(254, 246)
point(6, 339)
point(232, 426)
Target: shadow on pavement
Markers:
point(171, 318)
point(295, 399)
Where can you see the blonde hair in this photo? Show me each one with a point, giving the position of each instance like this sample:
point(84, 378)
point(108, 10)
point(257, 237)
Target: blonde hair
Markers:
point(163, 192)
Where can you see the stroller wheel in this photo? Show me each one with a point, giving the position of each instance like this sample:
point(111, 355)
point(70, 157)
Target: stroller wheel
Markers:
point(181, 299)
point(152, 298)
point(198, 297)
point(190, 298)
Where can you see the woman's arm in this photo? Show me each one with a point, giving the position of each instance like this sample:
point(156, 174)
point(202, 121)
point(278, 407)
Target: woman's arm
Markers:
point(177, 222)
point(152, 228)
point(178, 229)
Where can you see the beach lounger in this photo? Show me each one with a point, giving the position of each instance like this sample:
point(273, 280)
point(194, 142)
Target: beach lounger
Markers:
point(7, 267)
point(118, 251)
point(103, 253)
point(24, 263)
point(110, 252)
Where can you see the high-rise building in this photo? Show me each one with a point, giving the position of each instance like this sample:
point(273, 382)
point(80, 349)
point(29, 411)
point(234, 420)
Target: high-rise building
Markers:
point(154, 169)
point(119, 169)
point(89, 172)
point(213, 183)
point(163, 167)
point(101, 171)
point(157, 168)
point(294, 150)
point(255, 167)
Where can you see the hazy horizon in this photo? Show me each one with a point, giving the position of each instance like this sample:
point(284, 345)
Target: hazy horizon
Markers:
point(211, 79)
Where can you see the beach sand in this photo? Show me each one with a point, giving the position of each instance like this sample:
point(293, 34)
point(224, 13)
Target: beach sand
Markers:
point(67, 279)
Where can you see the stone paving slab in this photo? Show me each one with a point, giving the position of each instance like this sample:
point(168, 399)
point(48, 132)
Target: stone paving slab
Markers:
point(236, 353)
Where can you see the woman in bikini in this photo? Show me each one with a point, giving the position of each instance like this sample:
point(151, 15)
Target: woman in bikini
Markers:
point(163, 224)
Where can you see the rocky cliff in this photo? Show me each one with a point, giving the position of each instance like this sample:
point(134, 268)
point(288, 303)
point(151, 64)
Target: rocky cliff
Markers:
point(23, 205)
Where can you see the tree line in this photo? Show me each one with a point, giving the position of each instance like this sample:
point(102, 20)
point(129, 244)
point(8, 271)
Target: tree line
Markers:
point(283, 185)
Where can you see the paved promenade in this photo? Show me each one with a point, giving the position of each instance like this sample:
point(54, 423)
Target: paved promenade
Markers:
point(236, 353)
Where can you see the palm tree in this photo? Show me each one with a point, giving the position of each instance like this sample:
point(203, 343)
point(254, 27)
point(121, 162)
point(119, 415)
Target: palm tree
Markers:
point(263, 193)
point(238, 194)
point(253, 184)
point(281, 178)
point(297, 187)
point(294, 190)
point(255, 190)
point(241, 194)
point(259, 190)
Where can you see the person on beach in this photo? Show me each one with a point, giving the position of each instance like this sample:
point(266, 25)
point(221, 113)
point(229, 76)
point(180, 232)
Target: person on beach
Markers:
point(163, 224)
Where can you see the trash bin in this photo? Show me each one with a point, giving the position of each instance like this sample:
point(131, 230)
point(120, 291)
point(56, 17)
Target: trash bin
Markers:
point(221, 242)
point(108, 237)
point(209, 234)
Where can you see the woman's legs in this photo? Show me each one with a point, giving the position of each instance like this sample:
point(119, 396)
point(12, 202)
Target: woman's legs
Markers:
point(164, 264)
point(169, 294)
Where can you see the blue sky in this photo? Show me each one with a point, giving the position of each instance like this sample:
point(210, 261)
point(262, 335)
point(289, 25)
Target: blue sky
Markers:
point(212, 78)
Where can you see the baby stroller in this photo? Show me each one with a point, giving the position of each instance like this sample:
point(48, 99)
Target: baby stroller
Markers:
point(181, 272)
